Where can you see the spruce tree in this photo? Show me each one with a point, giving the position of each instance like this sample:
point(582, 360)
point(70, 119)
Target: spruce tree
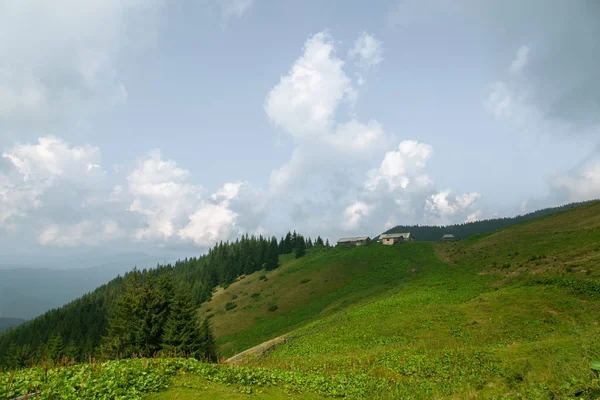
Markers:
point(55, 349)
point(182, 334)
point(19, 356)
point(289, 246)
point(300, 246)
point(210, 346)
point(139, 316)
point(125, 320)
point(156, 304)
point(272, 255)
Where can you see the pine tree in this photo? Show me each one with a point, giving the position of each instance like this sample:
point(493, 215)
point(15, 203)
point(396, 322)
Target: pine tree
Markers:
point(182, 333)
point(210, 347)
point(19, 356)
point(156, 304)
point(72, 351)
point(319, 242)
point(300, 246)
point(289, 246)
point(272, 255)
point(55, 349)
point(124, 323)
point(327, 243)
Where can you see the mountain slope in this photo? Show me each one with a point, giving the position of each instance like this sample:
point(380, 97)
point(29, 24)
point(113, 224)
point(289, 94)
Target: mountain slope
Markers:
point(511, 313)
point(6, 323)
point(312, 287)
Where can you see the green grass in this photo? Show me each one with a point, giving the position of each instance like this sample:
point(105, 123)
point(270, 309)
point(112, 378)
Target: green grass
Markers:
point(173, 378)
point(303, 290)
point(468, 328)
point(194, 387)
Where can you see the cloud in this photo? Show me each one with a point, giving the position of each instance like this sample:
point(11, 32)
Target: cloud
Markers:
point(557, 74)
point(306, 104)
point(520, 61)
point(401, 168)
point(234, 8)
point(63, 189)
point(476, 216)
point(354, 213)
point(209, 224)
point(400, 191)
point(51, 157)
point(234, 209)
point(175, 210)
point(499, 100)
point(304, 101)
point(331, 154)
point(579, 184)
point(367, 51)
point(442, 207)
point(75, 74)
point(162, 196)
point(511, 99)
point(32, 169)
point(85, 232)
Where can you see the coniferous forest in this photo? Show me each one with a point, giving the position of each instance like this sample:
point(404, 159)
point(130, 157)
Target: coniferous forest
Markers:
point(146, 312)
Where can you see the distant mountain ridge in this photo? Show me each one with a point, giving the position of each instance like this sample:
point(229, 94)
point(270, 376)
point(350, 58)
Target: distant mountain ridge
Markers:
point(27, 292)
point(6, 323)
point(463, 231)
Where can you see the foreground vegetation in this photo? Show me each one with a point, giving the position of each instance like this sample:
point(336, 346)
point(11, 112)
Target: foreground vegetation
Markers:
point(133, 378)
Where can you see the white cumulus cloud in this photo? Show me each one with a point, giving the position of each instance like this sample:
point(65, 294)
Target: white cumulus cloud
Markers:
point(32, 169)
point(305, 105)
point(580, 184)
point(354, 214)
point(367, 51)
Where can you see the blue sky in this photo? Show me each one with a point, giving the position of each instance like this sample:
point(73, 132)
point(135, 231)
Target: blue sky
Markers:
point(148, 126)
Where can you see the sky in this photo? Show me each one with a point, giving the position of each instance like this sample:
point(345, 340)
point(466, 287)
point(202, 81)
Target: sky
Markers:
point(165, 127)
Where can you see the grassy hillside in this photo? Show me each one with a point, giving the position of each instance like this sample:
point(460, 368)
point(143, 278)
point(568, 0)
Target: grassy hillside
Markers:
point(514, 313)
point(302, 290)
point(510, 314)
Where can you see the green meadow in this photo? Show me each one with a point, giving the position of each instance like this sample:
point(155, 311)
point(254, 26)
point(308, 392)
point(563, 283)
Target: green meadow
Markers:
point(513, 314)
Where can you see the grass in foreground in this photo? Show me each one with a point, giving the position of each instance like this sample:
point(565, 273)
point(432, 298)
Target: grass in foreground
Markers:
point(136, 378)
point(194, 387)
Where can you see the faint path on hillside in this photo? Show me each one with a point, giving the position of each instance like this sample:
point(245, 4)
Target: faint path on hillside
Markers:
point(261, 350)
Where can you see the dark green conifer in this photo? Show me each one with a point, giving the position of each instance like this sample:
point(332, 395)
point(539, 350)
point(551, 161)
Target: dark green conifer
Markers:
point(300, 246)
point(272, 255)
point(182, 333)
